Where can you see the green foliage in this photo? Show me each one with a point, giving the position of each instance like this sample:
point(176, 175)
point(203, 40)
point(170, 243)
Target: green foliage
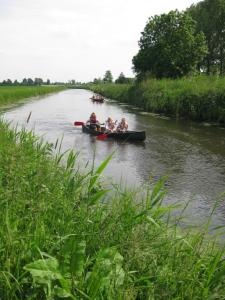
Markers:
point(169, 46)
point(12, 94)
point(122, 79)
point(210, 19)
point(57, 243)
point(199, 98)
point(108, 78)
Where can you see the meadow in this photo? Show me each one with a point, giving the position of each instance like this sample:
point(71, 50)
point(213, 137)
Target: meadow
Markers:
point(67, 234)
point(200, 98)
point(12, 94)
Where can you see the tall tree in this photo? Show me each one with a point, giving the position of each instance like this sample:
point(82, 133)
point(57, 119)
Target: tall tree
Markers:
point(38, 81)
point(97, 80)
point(121, 78)
point(24, 81)
point(210, 18)
point(169, 46)
point(108, 77)
point(9, 82)
point(30, 81)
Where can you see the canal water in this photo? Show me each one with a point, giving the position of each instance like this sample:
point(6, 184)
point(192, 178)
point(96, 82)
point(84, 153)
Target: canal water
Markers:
point(192, 155)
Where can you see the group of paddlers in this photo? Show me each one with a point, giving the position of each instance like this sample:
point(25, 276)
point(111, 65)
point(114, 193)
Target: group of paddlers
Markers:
point(110, 125)
point(97, 98)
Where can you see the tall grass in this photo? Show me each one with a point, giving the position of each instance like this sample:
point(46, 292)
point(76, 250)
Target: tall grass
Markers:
point(63, 234)
point(15, 93)
point(198, 98)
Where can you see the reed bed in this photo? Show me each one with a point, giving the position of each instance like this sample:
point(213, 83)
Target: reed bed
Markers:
point(13, 94)
point(66, 234)
point(200, 98)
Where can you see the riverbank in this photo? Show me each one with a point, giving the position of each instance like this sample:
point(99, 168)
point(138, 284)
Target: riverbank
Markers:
point(196, 98)
point(60, 238)
point(13, 94)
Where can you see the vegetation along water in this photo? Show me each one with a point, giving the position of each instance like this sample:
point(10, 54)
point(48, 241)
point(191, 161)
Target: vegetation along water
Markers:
point(64, 236)
point(67, 234)
point(175, 48)
point(12, 94)
point(200, 98)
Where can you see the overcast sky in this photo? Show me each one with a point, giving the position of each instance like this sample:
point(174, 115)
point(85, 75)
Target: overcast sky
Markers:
point(73, 39)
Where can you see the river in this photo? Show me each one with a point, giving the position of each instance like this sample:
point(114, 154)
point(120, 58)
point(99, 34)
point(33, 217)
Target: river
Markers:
point(192, 155)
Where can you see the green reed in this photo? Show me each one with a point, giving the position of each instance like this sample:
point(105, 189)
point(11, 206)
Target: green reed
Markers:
point(199, 98)
point(15, 93)
point(66, 234)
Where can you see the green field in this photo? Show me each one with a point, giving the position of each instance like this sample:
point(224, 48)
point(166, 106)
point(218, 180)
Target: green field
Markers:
point(13, 94)
point(65, 235)
point(199, 98)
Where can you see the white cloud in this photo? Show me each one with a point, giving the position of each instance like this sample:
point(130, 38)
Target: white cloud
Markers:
point(77, 39)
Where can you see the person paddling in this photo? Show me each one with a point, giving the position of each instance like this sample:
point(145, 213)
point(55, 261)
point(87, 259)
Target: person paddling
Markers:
point(93, 122)
point(123, 126)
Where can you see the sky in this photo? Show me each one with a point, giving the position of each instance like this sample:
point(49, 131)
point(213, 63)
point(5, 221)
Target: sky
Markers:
point(74, 39)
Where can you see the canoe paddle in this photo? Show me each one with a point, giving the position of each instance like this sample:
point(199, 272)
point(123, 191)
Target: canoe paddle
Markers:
point(102, 137)
point(78, 123)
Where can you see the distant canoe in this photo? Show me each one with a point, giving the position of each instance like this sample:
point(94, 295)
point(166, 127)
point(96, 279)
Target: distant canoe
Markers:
point(97, 99)
point(126, 136)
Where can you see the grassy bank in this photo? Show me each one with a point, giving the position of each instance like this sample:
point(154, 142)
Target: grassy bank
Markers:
point(59, 238)
point(196, 98)
point(13, 94)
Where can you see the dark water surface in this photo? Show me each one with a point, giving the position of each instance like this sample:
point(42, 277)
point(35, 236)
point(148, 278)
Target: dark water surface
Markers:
point(191, 154)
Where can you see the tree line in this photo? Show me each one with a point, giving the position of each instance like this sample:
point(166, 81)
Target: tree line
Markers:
point(183, 43)
point(25, 82)
point(108, 78)
point(180, 44)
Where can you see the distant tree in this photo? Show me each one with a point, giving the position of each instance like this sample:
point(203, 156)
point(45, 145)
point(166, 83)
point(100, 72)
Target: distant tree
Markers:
point(9, 82)
point(24, 81)
point(15, 82)
point(38, 81)
point(30, 81)
point(72, 82)
point(48, 82)
point(4, 82)
point(210, 18)
point(169, 46)
point(97, 80)
point(108, 78)
point(122, 79)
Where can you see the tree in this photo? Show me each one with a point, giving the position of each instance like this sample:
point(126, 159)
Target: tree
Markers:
point(108, 78)
point(48, 82)
point(169, 46)
point(97, 80)
point(121, 78)
point(30, 81)
point(38, 81)
point(9, 82)
point(24, 81)
point(210, 18)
